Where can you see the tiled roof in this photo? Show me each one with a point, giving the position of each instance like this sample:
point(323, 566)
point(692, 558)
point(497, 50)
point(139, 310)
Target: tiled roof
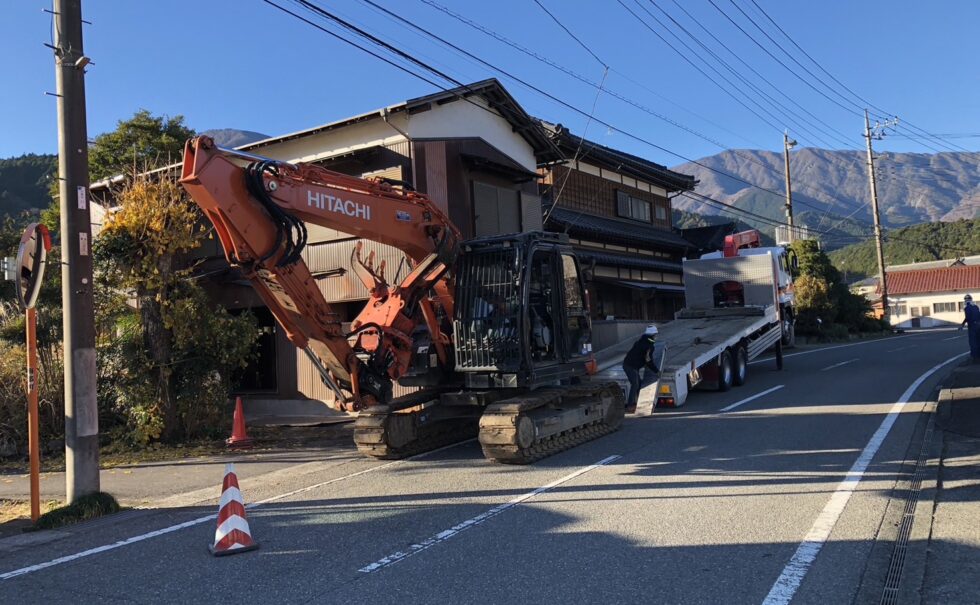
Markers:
point(613, 230)
point(628, 260)
point(924, 281)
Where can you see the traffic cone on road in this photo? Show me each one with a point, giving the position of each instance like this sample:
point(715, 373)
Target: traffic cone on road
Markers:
point(239, 437)
point(233, 535)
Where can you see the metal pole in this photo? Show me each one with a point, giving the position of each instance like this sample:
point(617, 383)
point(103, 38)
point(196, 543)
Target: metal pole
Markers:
point(81, 411)
point(789, 190)
point(32, 416)
point(874, 210)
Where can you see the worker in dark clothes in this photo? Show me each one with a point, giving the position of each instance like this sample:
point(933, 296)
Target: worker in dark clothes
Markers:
point(640, 356)
point(971, 320)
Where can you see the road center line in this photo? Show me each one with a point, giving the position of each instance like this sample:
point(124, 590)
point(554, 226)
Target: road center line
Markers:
point(461, 527)
point(748, 399)
point(952, 338)
point(900, 348)
point(166, 530)
point(789, 580)
point(837, 365)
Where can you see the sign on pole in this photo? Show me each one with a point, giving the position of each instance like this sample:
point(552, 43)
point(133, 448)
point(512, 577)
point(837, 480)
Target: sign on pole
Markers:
point(29, 267)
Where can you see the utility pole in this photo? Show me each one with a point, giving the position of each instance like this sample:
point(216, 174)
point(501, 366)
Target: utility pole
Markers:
point(788, 144)
point(877, 133)
point(81, 409)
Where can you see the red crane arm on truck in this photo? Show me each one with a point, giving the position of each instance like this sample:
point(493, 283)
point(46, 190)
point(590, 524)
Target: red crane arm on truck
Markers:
point(259, 212)
point(743, 239)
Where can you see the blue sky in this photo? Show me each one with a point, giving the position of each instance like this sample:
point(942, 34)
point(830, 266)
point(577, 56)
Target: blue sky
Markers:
point(244, 64)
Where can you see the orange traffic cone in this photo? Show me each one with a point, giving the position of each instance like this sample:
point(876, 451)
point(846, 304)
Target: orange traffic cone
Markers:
point(232, 535)
point(239, 437)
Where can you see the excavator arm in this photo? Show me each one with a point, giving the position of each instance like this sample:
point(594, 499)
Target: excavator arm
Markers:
point(260, 207)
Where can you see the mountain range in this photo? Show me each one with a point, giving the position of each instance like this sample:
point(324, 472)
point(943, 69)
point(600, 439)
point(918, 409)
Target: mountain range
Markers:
point(831, 187)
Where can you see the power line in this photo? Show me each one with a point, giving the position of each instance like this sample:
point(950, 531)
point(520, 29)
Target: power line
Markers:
point(744, 62)
point(778, 106)
point(573, 36)
point(702, 72)
point(778, 60)
point(832, 77)
point(543, 93)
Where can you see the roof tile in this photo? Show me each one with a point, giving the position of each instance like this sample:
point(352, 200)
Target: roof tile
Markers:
point(925, 281)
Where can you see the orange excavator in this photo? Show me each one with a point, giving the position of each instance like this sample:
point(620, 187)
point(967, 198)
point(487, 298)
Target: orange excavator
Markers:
point(494, 332)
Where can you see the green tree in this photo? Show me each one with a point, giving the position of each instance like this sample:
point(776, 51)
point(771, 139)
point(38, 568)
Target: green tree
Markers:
point(168, 370)
point(141, 143)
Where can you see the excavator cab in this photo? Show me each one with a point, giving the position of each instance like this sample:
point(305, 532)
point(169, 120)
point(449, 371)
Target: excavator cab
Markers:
point(521, 318)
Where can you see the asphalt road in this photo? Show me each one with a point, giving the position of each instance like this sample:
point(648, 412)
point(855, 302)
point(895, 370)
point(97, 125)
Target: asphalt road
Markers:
point(769, 501)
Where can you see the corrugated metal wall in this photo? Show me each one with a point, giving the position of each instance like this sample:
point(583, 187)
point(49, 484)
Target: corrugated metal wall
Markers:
point(337, 255)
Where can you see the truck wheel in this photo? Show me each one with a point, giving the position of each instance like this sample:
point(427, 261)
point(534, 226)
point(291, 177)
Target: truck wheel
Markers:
point(726, 371)
point(789, 335)
point(741, 366)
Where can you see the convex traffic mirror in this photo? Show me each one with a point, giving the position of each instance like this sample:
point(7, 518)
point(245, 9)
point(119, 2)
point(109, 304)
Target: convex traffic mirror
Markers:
point(31, 256)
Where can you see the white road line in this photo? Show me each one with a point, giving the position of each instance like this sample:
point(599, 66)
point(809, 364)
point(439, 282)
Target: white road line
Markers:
point(900, 349)
point(952, 338)
point(756, 396)
point(822, 349)
point(837, 365)
point(461, 527)
point(789, 580)
point(166, 530)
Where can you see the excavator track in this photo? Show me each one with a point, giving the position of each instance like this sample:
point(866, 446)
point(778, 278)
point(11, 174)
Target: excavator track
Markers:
point(392, 432)
point(540, 423)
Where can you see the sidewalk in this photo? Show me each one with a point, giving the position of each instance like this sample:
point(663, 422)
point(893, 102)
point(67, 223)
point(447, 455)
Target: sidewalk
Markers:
point(953, 556)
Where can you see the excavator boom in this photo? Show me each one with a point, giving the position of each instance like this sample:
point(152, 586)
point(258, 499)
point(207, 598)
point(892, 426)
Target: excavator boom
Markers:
point(259, 208)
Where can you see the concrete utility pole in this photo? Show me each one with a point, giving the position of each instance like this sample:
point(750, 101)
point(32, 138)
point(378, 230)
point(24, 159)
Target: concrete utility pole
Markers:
point(877, 133)
point(788, 144)
point(81, 409)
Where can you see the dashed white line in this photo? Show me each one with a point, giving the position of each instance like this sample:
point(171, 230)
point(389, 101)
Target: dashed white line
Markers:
point(789, 580)
point(900, 349)
point(756, 396)
point(166, 530)
point(837, 365)
point(461, 527)
point(952, 338)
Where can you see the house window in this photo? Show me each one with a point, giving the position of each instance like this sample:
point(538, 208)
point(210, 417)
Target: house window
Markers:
point(944, 307)
point(632, 207)
point(926, 312)
point(915, 312)
point(661, 213)
point(898, 309)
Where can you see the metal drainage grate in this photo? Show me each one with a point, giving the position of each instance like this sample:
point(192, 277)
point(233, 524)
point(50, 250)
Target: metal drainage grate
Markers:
point(889, 595)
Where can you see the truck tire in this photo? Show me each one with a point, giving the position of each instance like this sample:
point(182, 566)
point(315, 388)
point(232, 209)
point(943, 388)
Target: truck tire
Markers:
point(789, 335)
point(726, 371)
point(741, 372)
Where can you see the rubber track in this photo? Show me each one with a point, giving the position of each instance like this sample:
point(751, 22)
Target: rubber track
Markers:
point(542, 448)
point(368, 428)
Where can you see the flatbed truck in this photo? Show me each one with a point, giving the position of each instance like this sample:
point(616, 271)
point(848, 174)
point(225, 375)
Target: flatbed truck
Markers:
point(733, 315)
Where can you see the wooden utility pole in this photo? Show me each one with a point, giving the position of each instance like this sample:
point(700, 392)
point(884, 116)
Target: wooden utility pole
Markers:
point(870, 134)
point(788, 144)
point(81, 409)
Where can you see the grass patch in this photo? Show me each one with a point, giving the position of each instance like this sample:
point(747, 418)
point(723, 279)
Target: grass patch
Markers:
point(83, 509)
point(12, 510)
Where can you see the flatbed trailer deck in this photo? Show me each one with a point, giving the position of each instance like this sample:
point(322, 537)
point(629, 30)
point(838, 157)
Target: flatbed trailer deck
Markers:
point(710, 346)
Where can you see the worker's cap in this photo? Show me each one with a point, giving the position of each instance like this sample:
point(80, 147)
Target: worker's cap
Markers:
point(967, 297)
point(651, 330)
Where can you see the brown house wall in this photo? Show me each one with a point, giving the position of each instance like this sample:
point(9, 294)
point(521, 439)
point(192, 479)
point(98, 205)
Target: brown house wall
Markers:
point(597, 195)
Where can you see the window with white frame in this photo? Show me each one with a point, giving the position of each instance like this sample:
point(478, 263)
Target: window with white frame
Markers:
point(944, 307)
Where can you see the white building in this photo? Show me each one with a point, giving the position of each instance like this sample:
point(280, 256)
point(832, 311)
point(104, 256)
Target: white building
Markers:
point(931, 297)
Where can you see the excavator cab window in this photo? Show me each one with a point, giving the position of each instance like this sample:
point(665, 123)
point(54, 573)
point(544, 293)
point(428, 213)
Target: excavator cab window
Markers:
point(578, 332)
point(541, 301)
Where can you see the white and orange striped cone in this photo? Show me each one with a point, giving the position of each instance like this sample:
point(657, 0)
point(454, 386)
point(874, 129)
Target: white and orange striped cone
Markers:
point(232, 535)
